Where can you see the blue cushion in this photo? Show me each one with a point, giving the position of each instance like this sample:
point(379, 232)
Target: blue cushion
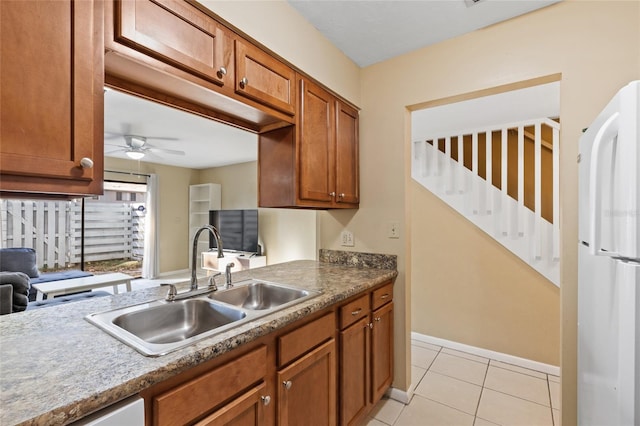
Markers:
point(19, 259)
point(45, 277)
point(67, 298)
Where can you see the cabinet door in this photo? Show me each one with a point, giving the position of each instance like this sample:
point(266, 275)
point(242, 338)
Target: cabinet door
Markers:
point(316, 166)
point(263, 78)
point(382, 351)
point(307, 389)
point(354, 371)
point(246, 410)
point(51, 92)
point(177, 34)
point(347, 159)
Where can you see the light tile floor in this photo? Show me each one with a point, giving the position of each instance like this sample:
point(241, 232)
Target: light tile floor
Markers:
point(457, 388)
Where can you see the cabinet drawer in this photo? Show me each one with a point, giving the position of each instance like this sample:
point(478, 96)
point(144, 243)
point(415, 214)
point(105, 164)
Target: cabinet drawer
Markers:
point(305, 338)
point(196, 397)
point(381, 296)
point(353, 311)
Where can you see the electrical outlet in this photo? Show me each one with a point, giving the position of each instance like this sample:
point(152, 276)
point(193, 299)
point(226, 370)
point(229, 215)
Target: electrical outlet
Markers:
point(347, 238)
point(393, 229)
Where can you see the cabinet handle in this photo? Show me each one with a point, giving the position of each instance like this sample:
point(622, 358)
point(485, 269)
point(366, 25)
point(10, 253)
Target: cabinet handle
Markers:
point(86, 163)
point(333, 194)
point(377, 319)
point(222, 72)
point(244, 82)
point(265, 399)
point(384, 296)
point(356, 312)
point(287, 384)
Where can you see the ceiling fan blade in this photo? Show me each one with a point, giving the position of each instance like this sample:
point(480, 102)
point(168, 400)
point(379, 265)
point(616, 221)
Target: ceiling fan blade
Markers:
point(160, 138)
point(166, 151)
point(112, 144)
point(114, 151)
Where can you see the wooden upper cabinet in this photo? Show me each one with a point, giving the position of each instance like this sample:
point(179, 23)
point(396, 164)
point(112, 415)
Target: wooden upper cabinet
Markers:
point(177, 34)
point(316, 147)
point(51, 97)
point(318, 165)
point(263, 78)
point(347, 156)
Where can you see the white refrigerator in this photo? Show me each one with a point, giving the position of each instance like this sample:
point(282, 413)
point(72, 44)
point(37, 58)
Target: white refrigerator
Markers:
point(609, 264)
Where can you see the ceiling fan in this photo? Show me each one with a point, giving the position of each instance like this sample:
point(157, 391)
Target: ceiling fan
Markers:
point(136, 147)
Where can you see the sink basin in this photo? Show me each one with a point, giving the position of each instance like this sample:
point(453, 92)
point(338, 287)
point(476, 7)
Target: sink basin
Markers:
point(259, 295)
point(159, 327)
point(178, 321)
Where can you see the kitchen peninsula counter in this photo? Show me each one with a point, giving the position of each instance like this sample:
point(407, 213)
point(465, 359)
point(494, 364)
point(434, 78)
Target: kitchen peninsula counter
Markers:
point(55, 367)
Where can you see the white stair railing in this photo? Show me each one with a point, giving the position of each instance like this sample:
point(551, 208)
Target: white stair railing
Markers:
point(521, 229)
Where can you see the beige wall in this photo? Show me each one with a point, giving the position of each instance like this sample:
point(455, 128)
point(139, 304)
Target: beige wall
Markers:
point(595, 45)
point(239, 184)
point(173, 217)
point(284, 234)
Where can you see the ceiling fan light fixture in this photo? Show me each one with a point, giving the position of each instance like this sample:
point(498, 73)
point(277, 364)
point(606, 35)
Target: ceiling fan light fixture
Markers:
point(135, 155)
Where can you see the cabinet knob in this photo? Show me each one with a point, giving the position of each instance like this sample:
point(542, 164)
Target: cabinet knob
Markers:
point(86, 163)
point(266, 399)
point(244, 82)
point(377, 319)
point(341, 195)
point(287, 384)
point(333, 194)
point(370, 325)
point(222, 72)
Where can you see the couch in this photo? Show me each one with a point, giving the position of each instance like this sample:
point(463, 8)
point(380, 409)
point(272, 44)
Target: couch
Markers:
point(19, 271)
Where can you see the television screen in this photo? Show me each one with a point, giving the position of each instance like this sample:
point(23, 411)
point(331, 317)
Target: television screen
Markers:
point(238, 229)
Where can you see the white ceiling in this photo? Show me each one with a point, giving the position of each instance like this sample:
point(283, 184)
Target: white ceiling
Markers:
point(367, 31)
point(206, 143)
point(375, 30)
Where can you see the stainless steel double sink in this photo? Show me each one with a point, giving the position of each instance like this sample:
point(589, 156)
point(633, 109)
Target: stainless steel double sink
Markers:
point(159, 327)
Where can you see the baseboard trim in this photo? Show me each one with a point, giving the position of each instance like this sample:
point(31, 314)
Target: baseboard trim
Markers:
point(400, 395)
point(498, 356)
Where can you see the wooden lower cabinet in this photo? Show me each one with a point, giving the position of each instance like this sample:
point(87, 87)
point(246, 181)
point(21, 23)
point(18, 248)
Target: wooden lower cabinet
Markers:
point(354, 371)
point(307, 389)
point(329, 370)
point(382, 351)
point(366, 353)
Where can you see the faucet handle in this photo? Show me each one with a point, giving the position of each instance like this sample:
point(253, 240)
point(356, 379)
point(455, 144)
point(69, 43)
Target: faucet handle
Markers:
point(173, 292)
point(212, 281)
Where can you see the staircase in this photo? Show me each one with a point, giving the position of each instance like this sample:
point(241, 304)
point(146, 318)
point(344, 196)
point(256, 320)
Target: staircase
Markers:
point(504, 179)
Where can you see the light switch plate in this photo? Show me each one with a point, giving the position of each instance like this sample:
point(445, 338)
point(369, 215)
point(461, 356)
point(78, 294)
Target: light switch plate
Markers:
point(393, 229)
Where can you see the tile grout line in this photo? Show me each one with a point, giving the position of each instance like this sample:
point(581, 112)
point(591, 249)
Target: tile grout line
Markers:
point(553, 422)
point(484, 379)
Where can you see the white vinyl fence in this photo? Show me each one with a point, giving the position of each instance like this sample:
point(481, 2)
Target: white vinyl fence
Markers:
point(54, 230)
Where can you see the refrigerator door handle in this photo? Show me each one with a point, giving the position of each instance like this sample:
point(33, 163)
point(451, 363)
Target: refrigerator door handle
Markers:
point(605, 133)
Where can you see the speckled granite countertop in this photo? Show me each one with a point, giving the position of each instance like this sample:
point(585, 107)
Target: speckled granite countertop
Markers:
point(56, 368)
